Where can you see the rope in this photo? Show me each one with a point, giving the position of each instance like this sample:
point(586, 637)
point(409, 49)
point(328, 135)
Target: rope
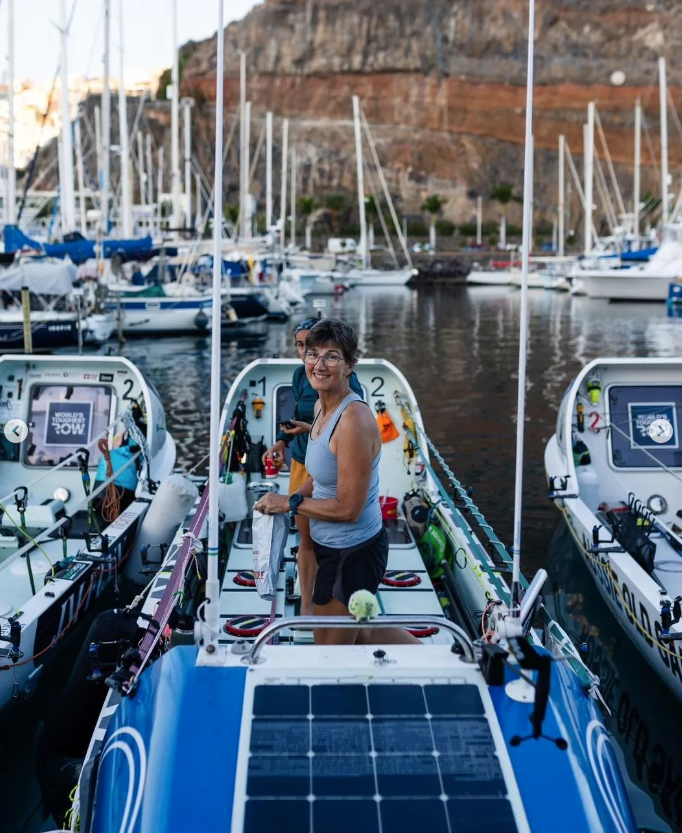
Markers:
point(23, 532)
point(111, 505)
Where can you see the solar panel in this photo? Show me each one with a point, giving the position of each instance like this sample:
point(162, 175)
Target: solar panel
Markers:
point(373, 759)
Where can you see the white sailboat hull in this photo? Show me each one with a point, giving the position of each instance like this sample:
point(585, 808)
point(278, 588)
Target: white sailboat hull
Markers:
point(625, 285)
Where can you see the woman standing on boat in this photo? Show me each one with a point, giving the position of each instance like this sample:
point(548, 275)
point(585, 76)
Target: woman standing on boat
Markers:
point(294, 433)
point(341, 495)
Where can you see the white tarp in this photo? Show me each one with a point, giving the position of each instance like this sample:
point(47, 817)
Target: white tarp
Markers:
point(40, 276)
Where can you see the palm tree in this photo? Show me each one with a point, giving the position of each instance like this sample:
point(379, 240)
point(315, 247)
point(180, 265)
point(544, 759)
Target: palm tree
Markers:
point(433, 205)
point(306, 206)
point(231, 212)
point(504, 194)
point(371, 214)
point(336, 203)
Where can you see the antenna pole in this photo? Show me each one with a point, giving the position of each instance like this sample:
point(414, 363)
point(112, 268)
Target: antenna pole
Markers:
point(212, 583)
point(523, 326)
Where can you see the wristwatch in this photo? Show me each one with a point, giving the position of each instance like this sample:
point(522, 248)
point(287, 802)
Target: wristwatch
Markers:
point(294, 502)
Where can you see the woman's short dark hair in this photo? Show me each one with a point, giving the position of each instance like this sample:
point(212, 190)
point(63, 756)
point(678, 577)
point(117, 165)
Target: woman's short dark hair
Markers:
point(332, 331)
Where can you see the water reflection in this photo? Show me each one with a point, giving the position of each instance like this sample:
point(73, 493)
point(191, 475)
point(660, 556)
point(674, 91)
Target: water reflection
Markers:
point(644, 713)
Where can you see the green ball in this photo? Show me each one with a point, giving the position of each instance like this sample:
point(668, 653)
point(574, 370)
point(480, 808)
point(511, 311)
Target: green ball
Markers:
point(363, 605)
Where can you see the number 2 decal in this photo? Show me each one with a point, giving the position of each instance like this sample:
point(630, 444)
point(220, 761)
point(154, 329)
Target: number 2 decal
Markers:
point(126, 394)
point(595, 417)
point(379, 387)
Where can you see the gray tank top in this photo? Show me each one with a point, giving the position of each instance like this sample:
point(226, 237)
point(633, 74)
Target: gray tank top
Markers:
point(321, 465)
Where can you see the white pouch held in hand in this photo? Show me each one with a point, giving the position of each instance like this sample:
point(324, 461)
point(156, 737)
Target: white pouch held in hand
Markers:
point(269, 538)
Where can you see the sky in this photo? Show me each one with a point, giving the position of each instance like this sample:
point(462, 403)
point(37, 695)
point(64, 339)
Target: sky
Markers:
point(148, 33)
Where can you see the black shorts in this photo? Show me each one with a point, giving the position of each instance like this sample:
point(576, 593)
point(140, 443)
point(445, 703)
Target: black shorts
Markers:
point(342, 571)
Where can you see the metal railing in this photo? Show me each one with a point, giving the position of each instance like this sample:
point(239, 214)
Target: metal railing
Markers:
point(348, 622)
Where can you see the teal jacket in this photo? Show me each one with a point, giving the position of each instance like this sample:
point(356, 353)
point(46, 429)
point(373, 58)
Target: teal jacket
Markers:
point(306, 397)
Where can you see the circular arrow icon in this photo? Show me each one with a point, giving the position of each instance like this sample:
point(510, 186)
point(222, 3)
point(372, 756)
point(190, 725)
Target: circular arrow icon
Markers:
point(16, 430)
point(660, 431)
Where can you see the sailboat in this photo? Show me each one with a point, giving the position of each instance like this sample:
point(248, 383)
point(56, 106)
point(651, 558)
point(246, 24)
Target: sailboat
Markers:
point(248, 726)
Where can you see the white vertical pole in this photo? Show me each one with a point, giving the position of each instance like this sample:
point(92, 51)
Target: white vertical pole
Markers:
point(589, 177)
point(243, 165)
point(268, 171)
point(159, 175)
point(106, 124)
point(361, 180)
point(561, 211)
point(188, 103)
point(212, 583)
point(11, 212)
point(148, 168)
point(197, 200)
point(62, 180)
point(126, 213)
point(67, 195)
point(246, 157)
point(80, 174)
point(141, 171)
point(283, 197)
point(636, 199)
point(523, 324)
point(98, 142)
point(293, 196)
point(479, 220)
point(503, 232)
point(175, 124)
point(663, 91)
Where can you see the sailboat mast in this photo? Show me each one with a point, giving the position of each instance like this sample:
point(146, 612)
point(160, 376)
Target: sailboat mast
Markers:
point(80, 173)
point(361, 180)
point(66, 187)
point(523, 324)
point(187, 104)
point(663, 91)
point(637, 174)
point(175, 124)
point(268, 171)
point(589, 177)
point(106, 124)
point(561, 208)
point(243, 165)
point(126, 212)
point(212, 583)
point(283, 196)
point(293, 196)
point(11, 209)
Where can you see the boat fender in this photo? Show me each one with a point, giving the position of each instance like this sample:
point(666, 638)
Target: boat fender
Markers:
point(173, 500)
point(232, 498)
point(201, 320)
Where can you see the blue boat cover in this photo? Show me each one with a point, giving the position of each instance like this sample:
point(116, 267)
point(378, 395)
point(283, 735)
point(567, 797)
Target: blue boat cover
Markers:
point(78, 250)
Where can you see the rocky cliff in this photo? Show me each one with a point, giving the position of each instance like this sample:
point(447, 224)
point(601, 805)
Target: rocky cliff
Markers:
point(442, 84)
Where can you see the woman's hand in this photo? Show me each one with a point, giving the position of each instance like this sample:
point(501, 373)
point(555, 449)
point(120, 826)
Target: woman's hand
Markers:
point(274, 450)
point(272, 504)
point(299, 428)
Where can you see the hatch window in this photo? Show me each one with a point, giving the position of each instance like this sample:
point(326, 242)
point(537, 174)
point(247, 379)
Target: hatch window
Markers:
point(64, 418)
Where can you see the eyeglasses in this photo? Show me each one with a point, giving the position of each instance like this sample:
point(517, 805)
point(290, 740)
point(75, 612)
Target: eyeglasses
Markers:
point(328, 359)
